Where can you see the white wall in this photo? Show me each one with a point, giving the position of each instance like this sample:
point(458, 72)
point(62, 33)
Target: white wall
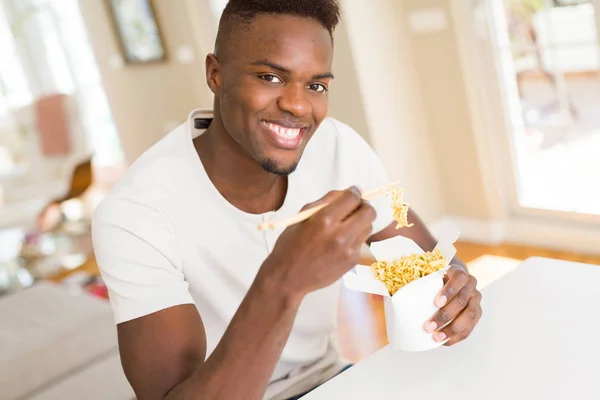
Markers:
point(389, 83)
point(149, 100)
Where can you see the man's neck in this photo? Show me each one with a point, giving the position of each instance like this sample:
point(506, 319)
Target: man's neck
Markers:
point(238, 177)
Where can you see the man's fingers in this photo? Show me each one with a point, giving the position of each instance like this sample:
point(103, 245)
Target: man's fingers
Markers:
point(360, 224)
point(343, 206)
point(363, 215)
point(460, 329)
point(457, 279)
point(451, 310)
point(365, 234)
point(328, 198)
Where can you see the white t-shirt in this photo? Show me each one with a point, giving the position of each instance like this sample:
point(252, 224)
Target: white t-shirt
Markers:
point(165, 236)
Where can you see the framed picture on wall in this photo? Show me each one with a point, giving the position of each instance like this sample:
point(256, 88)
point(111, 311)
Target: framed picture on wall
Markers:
point(137, 30)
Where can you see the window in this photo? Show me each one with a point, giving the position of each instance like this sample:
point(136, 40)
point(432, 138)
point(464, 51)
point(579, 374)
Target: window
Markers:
point(14, 89)
point(14, 93)
point(550, 64)
point(48, 51)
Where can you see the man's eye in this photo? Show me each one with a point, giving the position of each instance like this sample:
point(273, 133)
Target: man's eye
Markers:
point(317, 87)
point(270, 78)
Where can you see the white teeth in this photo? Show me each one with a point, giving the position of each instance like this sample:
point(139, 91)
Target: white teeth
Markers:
point(286, 133)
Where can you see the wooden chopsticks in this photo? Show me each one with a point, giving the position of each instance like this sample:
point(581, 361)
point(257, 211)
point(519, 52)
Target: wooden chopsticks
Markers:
point(303, 215)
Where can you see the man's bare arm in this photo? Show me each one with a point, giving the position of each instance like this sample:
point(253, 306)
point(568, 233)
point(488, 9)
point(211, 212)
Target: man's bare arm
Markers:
point(173, 337)
point(163, 353)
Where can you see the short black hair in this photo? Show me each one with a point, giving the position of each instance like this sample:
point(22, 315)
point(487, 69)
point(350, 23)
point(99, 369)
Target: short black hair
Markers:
point(238, 13)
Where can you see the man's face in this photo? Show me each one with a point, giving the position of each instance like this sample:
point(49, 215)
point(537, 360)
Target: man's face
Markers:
point(272, 88)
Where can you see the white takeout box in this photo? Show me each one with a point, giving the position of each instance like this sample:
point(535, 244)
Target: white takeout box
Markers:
point(413, 305)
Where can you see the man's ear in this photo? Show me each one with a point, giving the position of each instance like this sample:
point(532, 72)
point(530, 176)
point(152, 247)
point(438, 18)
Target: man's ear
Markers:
point(213, 74)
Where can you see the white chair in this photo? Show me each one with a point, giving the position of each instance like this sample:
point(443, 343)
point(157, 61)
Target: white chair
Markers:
point(45, 177)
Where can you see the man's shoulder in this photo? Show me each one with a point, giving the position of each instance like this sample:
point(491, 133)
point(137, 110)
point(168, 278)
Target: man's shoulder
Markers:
point(155, 175)
point(334, 135)
point(168, 152)
point(334, 128)
point(335, 141)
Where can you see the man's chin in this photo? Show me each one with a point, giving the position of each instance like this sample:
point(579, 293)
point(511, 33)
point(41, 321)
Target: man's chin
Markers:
point(277, 168)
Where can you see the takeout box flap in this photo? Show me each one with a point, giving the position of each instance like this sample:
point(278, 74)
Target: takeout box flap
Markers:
point(363, 279)
point(395, 247)
point(362, 283)
point(447, 250)
point(399, 246)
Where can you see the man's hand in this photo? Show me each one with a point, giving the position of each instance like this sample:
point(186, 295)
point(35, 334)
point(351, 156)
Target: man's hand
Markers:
point(317, 252)
point(459, 302)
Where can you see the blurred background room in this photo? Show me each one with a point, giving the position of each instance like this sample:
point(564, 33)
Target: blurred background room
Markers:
point(486, 110)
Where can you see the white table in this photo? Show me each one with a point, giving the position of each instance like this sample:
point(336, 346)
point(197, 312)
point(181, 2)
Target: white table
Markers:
point(539, 338)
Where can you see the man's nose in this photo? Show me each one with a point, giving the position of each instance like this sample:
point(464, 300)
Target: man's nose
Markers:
point(295, 101)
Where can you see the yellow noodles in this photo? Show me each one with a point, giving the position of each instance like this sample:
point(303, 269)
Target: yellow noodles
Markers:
point(400, 208)
point(406, 269)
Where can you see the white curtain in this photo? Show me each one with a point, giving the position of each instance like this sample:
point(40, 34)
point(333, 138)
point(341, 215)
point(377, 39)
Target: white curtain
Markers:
point(47, 50)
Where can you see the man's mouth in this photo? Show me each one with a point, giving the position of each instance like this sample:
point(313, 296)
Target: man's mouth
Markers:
point(286, 137)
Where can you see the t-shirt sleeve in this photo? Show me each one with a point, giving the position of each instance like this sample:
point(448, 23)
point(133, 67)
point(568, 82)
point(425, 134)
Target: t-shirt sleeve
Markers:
point(367, 171)
point(139, 258)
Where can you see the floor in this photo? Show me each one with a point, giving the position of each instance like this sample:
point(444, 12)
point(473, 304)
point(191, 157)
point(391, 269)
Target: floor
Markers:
point(361, 324)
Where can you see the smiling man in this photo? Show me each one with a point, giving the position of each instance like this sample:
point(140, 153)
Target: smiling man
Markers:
point(206, 305)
